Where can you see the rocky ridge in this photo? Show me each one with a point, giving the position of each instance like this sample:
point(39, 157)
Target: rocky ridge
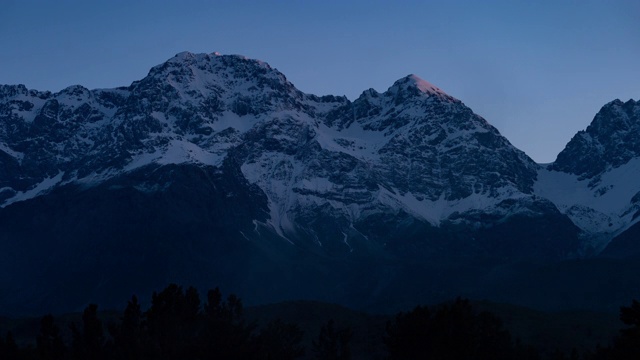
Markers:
point(215, 168)
point(412, 147)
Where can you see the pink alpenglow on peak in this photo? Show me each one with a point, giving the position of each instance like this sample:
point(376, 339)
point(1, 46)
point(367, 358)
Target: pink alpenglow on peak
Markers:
point(424, 85)
point(416, 85)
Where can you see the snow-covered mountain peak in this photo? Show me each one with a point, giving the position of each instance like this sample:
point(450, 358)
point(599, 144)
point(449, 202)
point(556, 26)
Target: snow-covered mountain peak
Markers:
point(412, 148)
point(370, 93)
point(12, 90)
point(593, 180)
point(414, 85)
point(74, 91)
point(183, 55)
point(214, 63)
point(204, 77)
point(608, 142)
point(422, 84)
point(17, 91)
point(221, 152)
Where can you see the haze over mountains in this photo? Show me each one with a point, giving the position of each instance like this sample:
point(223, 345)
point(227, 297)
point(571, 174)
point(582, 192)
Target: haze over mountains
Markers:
point(215, 170)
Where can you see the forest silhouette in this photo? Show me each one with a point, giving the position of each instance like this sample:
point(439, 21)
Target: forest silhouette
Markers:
point(179, 325)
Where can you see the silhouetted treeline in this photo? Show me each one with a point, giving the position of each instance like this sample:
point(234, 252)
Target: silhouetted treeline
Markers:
point(627, 345)
point(178, 325)
point(452, 331)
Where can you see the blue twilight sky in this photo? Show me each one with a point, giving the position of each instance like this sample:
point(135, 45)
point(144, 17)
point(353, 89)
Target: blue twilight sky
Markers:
point(537, 70)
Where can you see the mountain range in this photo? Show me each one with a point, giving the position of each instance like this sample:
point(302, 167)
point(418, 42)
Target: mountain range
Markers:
point(215, 170)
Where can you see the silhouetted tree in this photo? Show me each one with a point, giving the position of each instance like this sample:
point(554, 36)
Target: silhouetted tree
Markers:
point(404, 338)
point(279, 340)
point(8, 348)
point(333, 344)
point(172, 322)
point(88, 343)
point(49, 344)
point(627, 345)
point(225, 333)
point(630, 316)
point(129, 337)
point(451, 331)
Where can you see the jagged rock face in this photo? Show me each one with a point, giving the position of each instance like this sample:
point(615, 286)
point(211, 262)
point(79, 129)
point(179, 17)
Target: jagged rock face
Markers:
point(438, 146)
point(410, 149)
point(226, 155)
point(593, 179)
point(608, 142)
point(411, 141)
point(81, 132)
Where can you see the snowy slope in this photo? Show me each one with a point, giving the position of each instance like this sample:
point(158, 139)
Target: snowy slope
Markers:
point(216, 169)
point(412, 149)
point(595, 178)
point(602, 212)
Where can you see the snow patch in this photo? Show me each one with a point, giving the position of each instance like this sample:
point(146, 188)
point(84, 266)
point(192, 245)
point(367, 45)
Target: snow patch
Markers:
point(17, 155)
point(44, 186)
point(436, 211)
point(176, 152)
point(279, 221)
point(603, 209)
point(179, 152)
point(344, 240)
point(424, 86)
